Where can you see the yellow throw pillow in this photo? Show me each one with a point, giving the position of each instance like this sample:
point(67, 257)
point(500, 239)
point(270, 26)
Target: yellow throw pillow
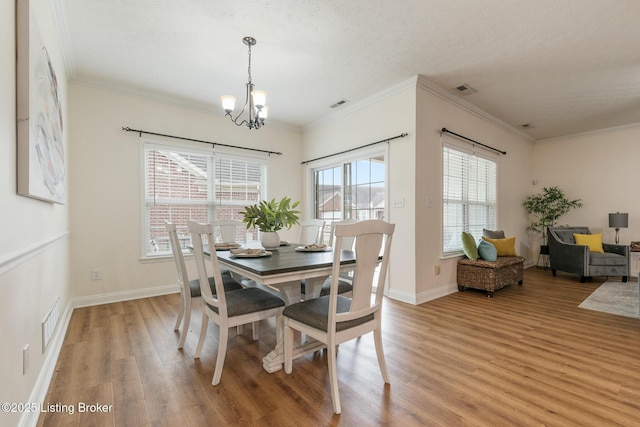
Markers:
point(594, 241)
point(505, 247)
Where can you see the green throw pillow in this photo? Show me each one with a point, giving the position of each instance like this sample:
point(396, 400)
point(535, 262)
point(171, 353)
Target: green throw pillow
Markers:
point(487, 251)
point(469, 246)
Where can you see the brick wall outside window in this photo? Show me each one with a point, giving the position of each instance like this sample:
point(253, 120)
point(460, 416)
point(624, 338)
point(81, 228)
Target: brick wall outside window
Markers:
point(182, 186)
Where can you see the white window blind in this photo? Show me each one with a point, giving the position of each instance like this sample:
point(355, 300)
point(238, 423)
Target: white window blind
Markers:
point(182, 184)
point(469, 193)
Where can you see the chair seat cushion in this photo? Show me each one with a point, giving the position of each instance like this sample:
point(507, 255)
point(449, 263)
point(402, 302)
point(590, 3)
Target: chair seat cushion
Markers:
point(230, 284)
point(343, 287)
point(249, 300)
point(315, 313)
point(607, 258)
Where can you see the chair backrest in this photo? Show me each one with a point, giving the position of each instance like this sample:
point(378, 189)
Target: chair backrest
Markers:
point(347, 242)
point(178, 257)
point(565, 234)
point(311, 231)
point(372, 248)
point(200, 232)
point(228, 229)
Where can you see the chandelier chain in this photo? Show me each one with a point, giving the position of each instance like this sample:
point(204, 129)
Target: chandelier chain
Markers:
point(249, 67)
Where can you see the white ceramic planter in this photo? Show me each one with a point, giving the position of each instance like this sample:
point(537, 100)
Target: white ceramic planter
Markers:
point(270, 240)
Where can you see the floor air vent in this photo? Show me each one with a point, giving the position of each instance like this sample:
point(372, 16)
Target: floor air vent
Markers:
point(50, 322)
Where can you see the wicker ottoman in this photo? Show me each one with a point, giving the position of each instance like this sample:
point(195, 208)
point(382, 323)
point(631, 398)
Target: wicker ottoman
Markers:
point(490, 275)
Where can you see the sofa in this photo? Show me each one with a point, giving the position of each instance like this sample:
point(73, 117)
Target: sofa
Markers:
point(565, 255)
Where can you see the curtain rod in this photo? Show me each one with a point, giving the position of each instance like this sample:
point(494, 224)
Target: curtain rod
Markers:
point(471, 140)
point(128, 129)
point(402, 135)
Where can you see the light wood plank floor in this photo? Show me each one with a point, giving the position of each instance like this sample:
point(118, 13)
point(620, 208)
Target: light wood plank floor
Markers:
point(527, 357)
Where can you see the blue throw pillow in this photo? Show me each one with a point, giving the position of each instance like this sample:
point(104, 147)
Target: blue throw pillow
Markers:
point(487, 251)
point(469, 246)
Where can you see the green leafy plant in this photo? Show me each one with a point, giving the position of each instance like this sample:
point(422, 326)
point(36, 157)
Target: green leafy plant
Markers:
point(272, 216)
point(547, 207)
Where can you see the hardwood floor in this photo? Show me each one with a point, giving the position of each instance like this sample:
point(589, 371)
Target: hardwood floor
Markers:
point(529, 356)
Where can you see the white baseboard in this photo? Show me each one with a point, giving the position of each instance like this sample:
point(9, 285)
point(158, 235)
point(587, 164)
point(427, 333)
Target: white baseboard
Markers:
point(41, 387)
point(417, 299)
point(124, 296)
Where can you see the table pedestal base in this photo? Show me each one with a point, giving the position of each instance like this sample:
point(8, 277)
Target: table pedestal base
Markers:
point(273, 361)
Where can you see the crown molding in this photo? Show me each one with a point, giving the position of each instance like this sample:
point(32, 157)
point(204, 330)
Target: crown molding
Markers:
point(169, 100)
point(409, 83)
point(60, 22)
point(592, 132)
point(430, 86)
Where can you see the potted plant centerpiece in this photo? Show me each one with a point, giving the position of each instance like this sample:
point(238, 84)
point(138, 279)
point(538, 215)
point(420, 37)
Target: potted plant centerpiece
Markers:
point(270, 217)
point(547, 208)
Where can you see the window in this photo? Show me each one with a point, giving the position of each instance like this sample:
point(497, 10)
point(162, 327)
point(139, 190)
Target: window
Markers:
point(350, 189)
point(469, 194)
point(182, 184)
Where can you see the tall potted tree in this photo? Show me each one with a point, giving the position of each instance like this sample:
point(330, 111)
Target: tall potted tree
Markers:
point(546, 208)
point(270, 217)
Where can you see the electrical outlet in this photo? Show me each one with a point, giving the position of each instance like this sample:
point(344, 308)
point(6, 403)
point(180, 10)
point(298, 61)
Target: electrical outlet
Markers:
point(96, 274)
point(436, 269)
point(25, 359)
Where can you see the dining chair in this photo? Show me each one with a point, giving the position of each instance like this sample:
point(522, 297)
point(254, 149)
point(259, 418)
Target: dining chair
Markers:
point(311, 231)
point(347, 242)
point(335, 319)
point(189, 289)
point(344, 284)
point(227, 309)
point(229, 230)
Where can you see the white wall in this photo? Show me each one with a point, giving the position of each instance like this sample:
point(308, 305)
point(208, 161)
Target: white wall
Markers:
point(598, 167)
point(388, 116)
point(415, 175)
point(106, 190)
point(34, 254)
point(437, 111)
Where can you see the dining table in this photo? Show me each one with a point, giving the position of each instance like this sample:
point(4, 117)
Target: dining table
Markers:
point(282, 270)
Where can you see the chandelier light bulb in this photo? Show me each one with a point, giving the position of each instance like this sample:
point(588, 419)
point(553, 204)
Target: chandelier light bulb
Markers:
point(228, 103)
point(262, 113)
point(259, 98)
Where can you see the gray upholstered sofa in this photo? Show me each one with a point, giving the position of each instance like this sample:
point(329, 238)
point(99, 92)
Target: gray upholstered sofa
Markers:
point(565, 255)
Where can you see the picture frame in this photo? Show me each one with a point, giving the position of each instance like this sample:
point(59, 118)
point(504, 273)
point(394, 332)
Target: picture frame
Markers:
point(41, 168)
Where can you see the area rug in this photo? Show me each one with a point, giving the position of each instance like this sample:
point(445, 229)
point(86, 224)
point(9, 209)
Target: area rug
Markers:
point(615, 298)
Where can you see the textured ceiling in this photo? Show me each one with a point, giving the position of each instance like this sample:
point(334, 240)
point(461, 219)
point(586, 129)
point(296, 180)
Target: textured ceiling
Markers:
point(563, 66)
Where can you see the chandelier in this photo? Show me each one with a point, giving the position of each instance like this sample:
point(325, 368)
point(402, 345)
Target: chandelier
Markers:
point(254, 102)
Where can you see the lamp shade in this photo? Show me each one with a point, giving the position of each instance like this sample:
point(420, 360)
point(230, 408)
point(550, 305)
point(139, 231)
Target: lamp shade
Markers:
point(259, 98)
point(228, 103)
point(618, 220)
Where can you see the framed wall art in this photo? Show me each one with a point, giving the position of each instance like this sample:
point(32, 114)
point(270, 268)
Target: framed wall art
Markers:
point(41, 157)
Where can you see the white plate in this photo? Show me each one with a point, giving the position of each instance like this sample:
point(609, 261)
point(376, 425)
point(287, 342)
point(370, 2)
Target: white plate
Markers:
point(256, 255)
point(303, 249)
point(284, 243)
point(227, 246)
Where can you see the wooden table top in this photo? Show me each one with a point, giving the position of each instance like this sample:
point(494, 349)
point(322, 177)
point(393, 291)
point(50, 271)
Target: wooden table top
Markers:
point(285, 259)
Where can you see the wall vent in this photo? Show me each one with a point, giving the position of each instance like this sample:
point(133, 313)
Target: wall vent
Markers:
point(465, 89)
point(50, 322)
point(339, 103)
